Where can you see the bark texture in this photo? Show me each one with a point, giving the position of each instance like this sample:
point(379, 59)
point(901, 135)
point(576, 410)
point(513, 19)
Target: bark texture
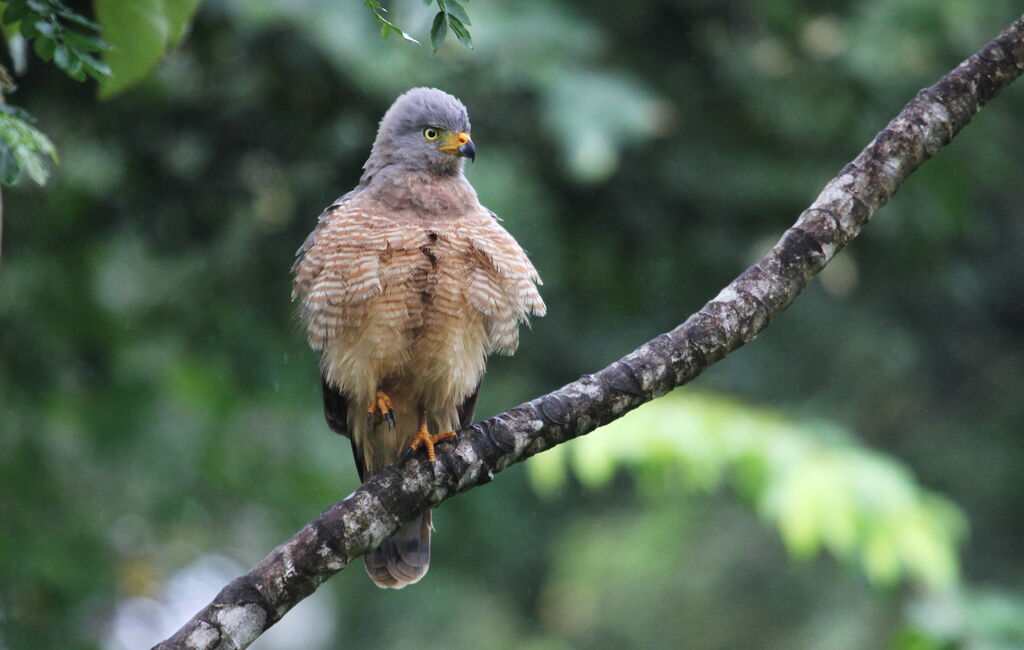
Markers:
point(253, 602)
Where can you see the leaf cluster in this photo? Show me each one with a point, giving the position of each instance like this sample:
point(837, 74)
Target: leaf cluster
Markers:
point(141, 32)
point(22, 147)
point(71, 41)
point(816, 485)
point(61, 35)
point(451, 15)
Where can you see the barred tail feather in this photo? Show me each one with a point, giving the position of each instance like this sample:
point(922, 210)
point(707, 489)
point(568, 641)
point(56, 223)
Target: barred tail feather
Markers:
point(404, 558)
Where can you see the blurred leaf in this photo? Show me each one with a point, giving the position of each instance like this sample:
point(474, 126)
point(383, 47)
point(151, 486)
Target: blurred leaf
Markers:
point(59, 34)
point(15, 11)
point(817, 486)
point(140, 32)
point(65, 12)
point(9, 166)
point(460, 31)
point(28, 29)
point(386, 26)
point(179, 13)
point(75, 69)
point(44, 48)
point(61, 56)
point(86, 42)
point(457, 11)
point(973, 617)
point(22, 147)
point(438, 30)
point(914, 639)
point(452, 15)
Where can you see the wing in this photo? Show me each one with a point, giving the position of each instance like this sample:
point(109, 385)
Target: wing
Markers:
point(502, 283)
point(468, 407)
point(338, 269)
point(336, 414)
point(312, 237)
point(335, 409)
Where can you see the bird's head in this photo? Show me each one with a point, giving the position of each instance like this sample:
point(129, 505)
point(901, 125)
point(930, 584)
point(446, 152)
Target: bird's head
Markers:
point(424, 130)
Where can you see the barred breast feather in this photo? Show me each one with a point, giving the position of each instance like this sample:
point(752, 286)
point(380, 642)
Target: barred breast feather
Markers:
point(382, 293)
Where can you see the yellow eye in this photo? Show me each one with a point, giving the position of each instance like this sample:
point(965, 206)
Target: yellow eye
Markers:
point(430, 133)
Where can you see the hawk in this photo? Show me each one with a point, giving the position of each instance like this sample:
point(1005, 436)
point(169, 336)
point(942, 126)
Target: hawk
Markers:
point(405, 286)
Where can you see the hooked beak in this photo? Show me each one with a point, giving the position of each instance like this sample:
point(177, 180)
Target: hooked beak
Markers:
point(459, 144)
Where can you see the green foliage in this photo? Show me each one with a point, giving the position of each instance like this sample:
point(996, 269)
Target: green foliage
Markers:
point(140, 32)
point(137, 32)
point(812, 482)
point(22, 147)
point(68, 39)
point(451, 15)
point(60, 35)
point(386, 26)
point(976, 617)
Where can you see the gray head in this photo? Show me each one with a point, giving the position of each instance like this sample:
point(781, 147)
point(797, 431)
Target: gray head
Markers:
point(426, 129)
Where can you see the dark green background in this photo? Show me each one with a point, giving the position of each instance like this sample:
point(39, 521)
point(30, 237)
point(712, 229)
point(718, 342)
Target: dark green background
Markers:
point(160, 425)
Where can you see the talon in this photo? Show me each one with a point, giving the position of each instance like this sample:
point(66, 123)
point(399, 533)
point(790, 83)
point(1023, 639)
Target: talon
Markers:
point(424, 439)
point(380, 409)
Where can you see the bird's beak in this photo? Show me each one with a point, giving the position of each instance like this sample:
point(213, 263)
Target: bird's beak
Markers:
point(459, 144)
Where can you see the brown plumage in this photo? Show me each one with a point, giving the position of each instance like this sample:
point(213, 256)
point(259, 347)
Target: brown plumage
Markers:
point(405, 286)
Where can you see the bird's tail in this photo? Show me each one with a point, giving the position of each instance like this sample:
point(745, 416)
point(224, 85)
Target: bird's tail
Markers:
point(404, 558)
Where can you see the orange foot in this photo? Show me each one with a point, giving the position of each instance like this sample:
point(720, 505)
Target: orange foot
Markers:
point(424, 439)
point(380, 409)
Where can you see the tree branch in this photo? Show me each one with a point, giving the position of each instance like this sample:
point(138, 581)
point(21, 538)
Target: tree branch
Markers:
point(255, 601)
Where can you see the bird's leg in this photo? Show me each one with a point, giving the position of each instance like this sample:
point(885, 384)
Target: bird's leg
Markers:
point(424, 439)
point(380, 408)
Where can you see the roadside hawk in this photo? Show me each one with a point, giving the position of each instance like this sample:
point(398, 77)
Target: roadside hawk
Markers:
point(405, 286)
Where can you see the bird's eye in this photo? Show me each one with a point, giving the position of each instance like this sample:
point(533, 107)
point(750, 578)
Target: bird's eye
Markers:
point(430, 133)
